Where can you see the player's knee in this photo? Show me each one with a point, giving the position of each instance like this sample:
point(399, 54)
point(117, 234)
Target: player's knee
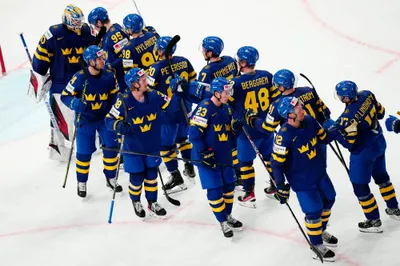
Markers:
point(214, 194)
point(381, 178)
point(151, 173)
point(314, 216)
point(136, 178)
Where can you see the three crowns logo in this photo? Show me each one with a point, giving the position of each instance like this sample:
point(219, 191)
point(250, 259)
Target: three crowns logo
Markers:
point(79, 50)
point(145, 128)
point(151, 117)
point(103, 97)
point(312, 154)
point(222, 137)
point(66, 51)
point(73, 60)
point(217, 128)
point(96, 106)
point(90, 97)
point(303, 148)
point(138, 120)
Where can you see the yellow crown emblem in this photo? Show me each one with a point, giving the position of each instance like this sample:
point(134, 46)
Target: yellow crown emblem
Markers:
point(145, 128)
point(217, 128)
point(66, 51)
point(90, 97)
point(227, 127)
point(138, 120)
point(103, 97)
point(223, 137)
point(312, 154)
point(151, 117)
point(96, 106)
point(314, 141)
point(73, 60)
point(303, 149)
point(79, 50)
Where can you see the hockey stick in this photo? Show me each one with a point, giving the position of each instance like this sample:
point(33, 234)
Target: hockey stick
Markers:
point(170, 45)
point(78, 119)
point(137, 9)
point(338, 153)
point(118, 162)
point(287, 204)
point(161, 156)
point(171, 200)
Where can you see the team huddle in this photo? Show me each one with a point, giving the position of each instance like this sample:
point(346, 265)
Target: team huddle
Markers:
point(133, 92)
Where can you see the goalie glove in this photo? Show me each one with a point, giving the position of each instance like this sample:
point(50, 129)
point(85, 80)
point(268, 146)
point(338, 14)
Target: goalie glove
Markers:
point(39, 85)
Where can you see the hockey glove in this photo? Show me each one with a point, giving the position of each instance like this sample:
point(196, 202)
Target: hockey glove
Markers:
point(39, 85)
point(207, 158)
point(392, 124)
point(282, 193)
point(176, 83)
point(78, 105)
point(249, 116)
point(236, 125)
point(124, 128)
point(329, 125)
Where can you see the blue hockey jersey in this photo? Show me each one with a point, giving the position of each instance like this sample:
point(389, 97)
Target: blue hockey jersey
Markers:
point(144, 118)
point(99, 95)
point(59, 50)
point(226, 67)
point(113, 42)
point(253, 91)
point(210, 127)
point(313, 106)
point(359, 123)
point(159, 76)
point(139, 52)
point(298, 154)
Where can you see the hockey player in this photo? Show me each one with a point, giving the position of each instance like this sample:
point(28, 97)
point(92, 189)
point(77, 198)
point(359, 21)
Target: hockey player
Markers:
point(298, 155)
point(252, 90)
point(284, 80)
point(174, 130)
point(91, 96)
point(139, 52)
point(112, 42)
point(211, 133)
point(59, 50)
point(362, 135)
point(137, 114)
point(393, 124)
point(219, 66)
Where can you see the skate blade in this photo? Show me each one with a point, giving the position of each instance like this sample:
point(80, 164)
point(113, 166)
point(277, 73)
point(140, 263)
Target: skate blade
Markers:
point(176, 189)
point(155, 216)
point(237, 229)
point(252, 205)
point(270, 196)
point(395, 217)
point(371, 230)
point(315, 257)
point(329, 245)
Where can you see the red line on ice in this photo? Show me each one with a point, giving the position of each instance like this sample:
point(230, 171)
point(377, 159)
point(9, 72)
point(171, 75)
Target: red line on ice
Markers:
point(328, 27)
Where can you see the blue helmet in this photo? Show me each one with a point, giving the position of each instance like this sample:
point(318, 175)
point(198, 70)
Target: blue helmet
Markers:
point(133, 75)
point(213, 44)
point(220, 85)
point(286, 106)
point(346, 88)
point(162, 44)
point(73, 17)
point(133, 22)
point(284, 78)
point(248, 54)
point(99, 13)
point(92, 52)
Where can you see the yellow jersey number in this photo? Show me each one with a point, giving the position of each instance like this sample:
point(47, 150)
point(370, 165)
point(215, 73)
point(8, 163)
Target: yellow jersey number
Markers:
point(259, 100)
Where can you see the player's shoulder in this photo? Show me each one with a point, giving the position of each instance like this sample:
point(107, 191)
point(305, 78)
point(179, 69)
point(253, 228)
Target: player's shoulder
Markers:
point(303, 90)
point(228, 59)
point(264, 73)
point(365, 94)
point(285, 132)
point(55, 31)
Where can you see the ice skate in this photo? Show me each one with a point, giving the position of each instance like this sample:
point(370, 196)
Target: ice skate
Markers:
point(248, 200)
point(138, 207)
point(393, 213)
point(327, 254)
point(81, 189)
point(370, 226)
point(233, 223)
point(329, 240)
point(189, 172)
point(270, 191)
point(175, 183)
point(226, 230)
point(111, 183)
point(156, 210)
